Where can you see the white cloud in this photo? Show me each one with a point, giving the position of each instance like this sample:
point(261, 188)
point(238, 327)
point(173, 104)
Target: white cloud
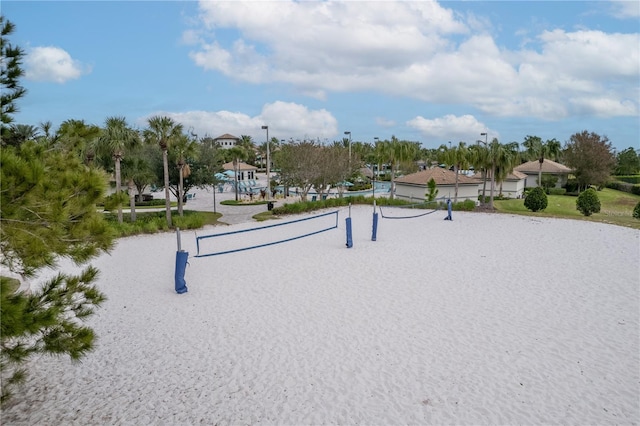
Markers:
point(625, 9)
point(53, 64)
point(285, 120)
point(385, 122)
point(450, 128)
point(418, 50)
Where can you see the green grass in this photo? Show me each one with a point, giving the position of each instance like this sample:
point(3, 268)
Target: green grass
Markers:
point(616, 208)
point(152, 222)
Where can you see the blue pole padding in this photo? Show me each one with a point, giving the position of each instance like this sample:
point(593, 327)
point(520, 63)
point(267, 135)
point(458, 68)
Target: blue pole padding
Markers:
point(181, 265)
point(374, 231)
point(349, 234)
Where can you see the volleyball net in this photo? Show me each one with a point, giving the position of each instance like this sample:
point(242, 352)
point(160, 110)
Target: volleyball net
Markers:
point(417, 209)
point(263, 236)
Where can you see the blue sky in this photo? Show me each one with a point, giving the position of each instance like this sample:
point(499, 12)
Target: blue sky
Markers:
point(424, 71)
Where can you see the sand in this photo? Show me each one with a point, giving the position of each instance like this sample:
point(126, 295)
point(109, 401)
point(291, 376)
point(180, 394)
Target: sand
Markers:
point(487, 319)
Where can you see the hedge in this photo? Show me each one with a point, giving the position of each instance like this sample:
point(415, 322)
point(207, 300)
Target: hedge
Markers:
point(624, 186)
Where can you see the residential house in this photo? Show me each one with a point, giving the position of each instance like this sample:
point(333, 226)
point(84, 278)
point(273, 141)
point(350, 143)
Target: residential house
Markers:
point(549, 167)
point(227, 141)
point(414, 186)
point(246, 172)
point(511, 187)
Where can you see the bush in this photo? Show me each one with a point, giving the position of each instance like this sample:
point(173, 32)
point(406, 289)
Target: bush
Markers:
point(624, 186)
point(636, 211)
point(632, 179)
point(549, 182)
point(536, 199)
point(588, 202)
point(557, 191)
point(572, 185)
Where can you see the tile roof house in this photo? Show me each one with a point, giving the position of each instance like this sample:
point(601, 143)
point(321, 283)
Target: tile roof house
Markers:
point(227, 140)
point(549, 167)
point(414, 186)
point(245, 171)
point(512, 186)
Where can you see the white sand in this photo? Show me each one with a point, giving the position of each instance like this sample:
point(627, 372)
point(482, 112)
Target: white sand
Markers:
point(488, 319)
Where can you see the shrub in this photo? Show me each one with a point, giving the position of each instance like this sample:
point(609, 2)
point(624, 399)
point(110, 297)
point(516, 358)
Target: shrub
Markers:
point(536, 199)
point(588, 202)
point(572, 185)
point(549, 182)
point(636, 211)
point(557, 191)
point(632, 179)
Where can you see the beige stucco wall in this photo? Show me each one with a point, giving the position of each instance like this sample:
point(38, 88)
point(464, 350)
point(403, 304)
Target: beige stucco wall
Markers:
point(532, 180)
point(417, 193)
point(511, 189)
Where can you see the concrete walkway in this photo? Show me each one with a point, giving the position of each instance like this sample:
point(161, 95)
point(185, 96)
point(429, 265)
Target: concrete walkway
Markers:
point(203, 201)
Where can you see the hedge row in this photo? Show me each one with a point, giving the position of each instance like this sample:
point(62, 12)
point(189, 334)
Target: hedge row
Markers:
point(632, 179)
point(624, 186)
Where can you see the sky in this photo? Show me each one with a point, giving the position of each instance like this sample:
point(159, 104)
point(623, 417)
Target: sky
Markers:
point(431, 72)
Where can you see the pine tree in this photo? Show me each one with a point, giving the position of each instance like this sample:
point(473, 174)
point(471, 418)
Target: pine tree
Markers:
point(48, 210)
point(10, 72)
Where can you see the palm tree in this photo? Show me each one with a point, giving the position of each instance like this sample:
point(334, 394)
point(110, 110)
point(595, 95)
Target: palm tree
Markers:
point(536, 149)
point(20, 133)
point(246, 143)
point(237, 154)
point(458, 157)
point(479, 157)
point(502, 159)
point(77, 136)
point(183, 148)
point(387, 154)
point(116, 138)
point(163, 131)
point(509, 158)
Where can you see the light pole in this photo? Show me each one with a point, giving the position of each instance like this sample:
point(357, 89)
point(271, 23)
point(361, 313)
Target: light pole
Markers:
point(268, 165)
point(373, 169)
point(349, 133)
point(484, 177)
point(285, 191)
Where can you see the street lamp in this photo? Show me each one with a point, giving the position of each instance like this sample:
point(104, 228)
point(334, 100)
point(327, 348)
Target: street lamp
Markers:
point(485, 137)
point(268, 165)
point(285, 190)
point(349, 133)
point(373, 169)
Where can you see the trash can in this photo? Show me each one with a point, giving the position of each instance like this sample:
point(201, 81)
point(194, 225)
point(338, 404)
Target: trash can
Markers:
point(270, 205)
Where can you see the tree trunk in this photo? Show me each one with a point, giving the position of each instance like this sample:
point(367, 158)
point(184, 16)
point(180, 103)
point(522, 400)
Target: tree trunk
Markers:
point(493, 185)
point(132, 200)
point(118, 188)
point(180, 191)
point(455, 195)
point(167, 201)
point(484, 186)
point(541, 160)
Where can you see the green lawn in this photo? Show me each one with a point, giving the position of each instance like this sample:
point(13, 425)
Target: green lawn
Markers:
point(616, 208)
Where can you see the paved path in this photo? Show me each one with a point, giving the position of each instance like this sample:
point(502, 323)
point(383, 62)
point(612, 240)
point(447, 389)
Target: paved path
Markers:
point(203, 201)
